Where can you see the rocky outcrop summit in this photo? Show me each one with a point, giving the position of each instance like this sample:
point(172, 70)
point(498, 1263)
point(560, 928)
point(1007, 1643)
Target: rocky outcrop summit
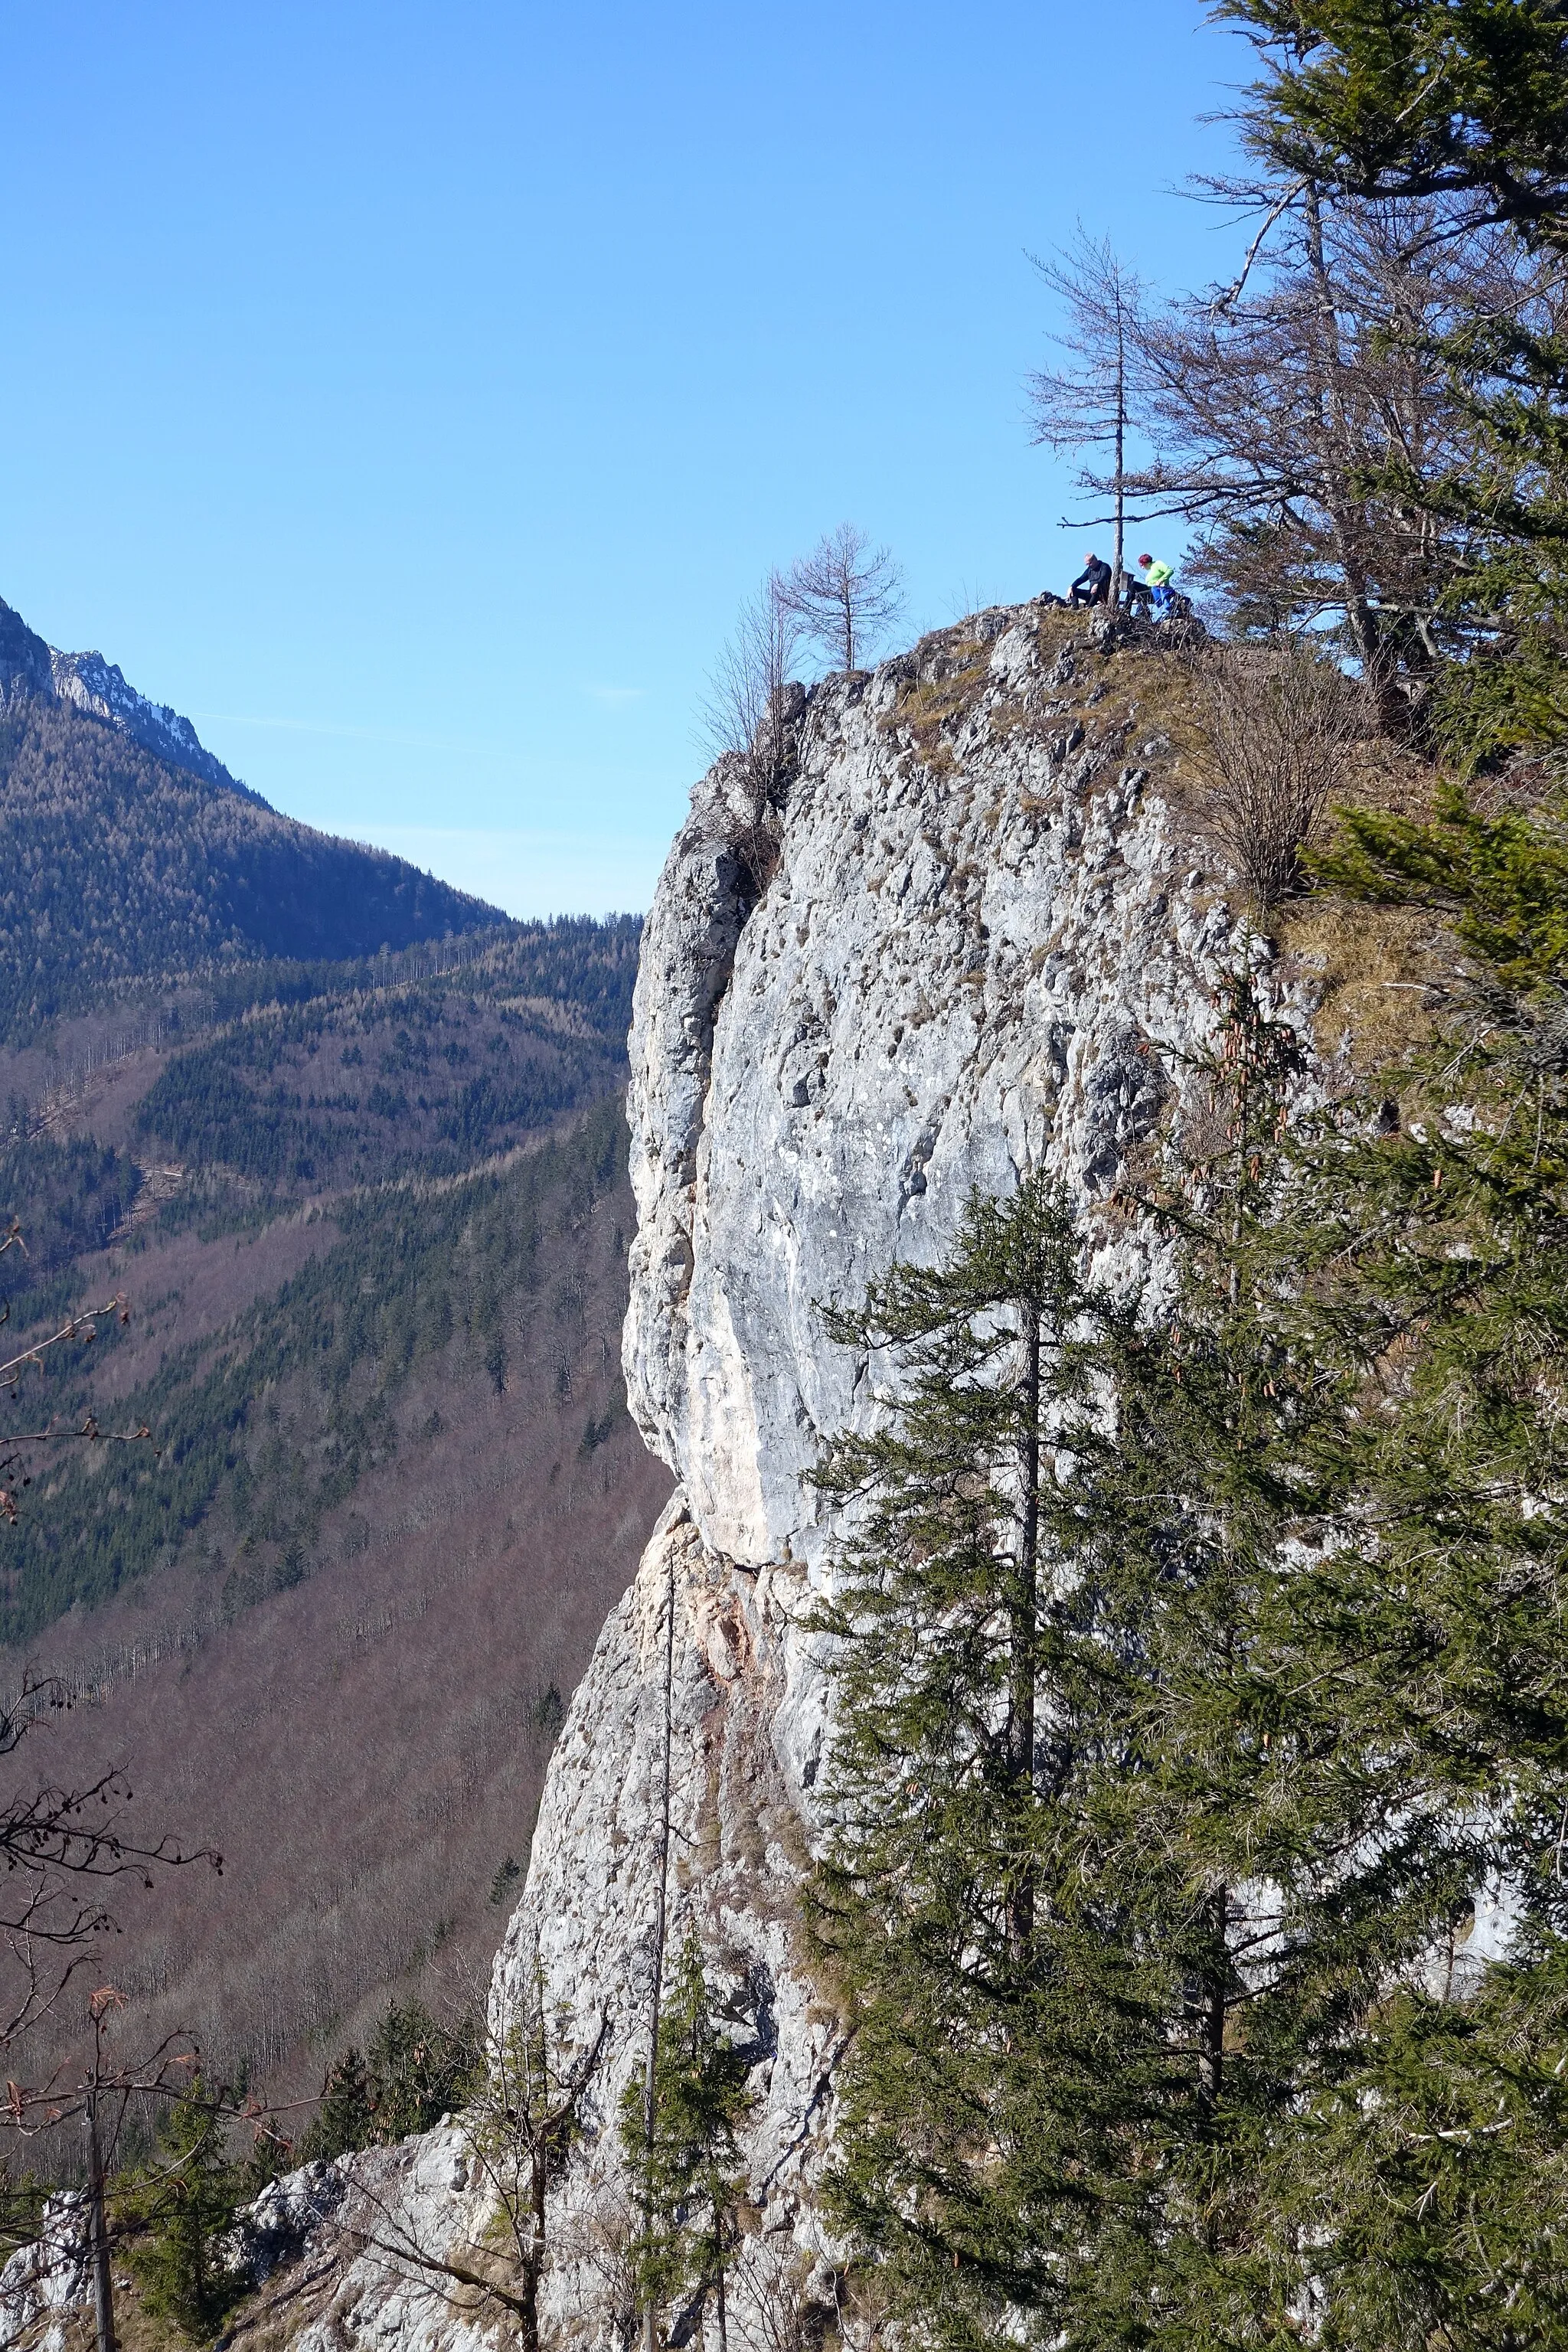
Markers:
point(978, 937)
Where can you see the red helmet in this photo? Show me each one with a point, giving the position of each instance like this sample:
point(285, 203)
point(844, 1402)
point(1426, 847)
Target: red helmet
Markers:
point(1145, 559)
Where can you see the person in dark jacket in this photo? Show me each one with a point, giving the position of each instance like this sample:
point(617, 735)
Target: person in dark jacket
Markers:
point(1092, 586)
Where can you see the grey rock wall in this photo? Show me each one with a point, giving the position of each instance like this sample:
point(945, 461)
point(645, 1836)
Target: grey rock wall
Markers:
point(974, 956)
point(993, 936)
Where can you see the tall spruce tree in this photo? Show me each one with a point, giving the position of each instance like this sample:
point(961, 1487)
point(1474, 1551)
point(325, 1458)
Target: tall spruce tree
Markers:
point(176, 2210)
point(1081, 1999)
point(1433, 1246)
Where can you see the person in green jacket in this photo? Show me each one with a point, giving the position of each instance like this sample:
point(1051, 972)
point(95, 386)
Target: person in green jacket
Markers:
point(1157, 578)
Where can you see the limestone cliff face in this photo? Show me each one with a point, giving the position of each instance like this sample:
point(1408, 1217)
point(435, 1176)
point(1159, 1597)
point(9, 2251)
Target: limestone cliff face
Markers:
point(978, 935)
point(982, 941)
point(987, 942)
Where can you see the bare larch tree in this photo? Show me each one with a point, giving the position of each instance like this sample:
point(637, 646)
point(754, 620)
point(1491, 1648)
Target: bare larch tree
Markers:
point(846, 595)
point(1082, 401)
point(1276, 724)
point(517, 2130)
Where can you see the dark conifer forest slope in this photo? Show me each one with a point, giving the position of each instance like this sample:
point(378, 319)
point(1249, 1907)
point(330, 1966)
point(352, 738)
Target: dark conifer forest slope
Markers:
point(366, 1199)
point(117, 867)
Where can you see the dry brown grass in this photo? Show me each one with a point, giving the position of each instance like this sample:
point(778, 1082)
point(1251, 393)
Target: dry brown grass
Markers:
point(1367, 964)
point(949, 681)
point(1367, 961)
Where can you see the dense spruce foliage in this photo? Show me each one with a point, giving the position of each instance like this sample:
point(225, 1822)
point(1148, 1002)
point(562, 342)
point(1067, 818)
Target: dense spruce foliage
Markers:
point(119, 869)
point(681, 2150)
point(359, 1081)
point(411, 2072)
point(66, 1200)
point(1204, 1705)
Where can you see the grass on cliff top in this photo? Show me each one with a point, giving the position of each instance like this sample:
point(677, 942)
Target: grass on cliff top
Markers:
point(1366, 963)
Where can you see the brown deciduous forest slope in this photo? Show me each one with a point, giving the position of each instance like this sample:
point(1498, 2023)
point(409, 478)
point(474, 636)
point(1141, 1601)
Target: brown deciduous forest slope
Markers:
point(371, 1224)
point(365, 1745)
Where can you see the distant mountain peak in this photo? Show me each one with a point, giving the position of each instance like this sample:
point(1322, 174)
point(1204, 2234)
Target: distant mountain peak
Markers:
point(30, 668)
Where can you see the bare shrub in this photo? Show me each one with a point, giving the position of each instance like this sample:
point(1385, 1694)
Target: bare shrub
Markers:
point(746, 711)
point(777, 2316)
point(518, 2131)
point(1274, 725)
point(748, 717)
point(599, 2247)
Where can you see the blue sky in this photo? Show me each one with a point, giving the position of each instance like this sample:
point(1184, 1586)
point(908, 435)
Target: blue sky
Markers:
point(411, 394)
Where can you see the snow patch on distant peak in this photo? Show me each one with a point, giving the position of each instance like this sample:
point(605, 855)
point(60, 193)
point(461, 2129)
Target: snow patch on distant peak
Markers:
point(100, 689)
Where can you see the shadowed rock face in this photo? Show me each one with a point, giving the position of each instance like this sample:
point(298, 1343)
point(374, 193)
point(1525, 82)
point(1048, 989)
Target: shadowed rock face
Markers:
point(984, 947)
point(24, 660)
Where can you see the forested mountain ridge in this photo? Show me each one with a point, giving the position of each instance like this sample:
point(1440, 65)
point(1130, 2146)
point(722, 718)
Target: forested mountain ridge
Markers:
point(349, 1145)
point(129, 858)
point(356, 1082)
point(31, 667)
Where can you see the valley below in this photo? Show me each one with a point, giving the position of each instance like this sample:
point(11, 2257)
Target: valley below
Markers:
point(368, 1216)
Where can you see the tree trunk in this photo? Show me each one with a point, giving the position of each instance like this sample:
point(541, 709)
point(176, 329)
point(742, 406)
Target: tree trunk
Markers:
point(1212, 2003)
point(533, 2268)
point(1025, 1626)
point(1337, 460)
point(650, 2317)
point(1118, 554)
point(98, 2233)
